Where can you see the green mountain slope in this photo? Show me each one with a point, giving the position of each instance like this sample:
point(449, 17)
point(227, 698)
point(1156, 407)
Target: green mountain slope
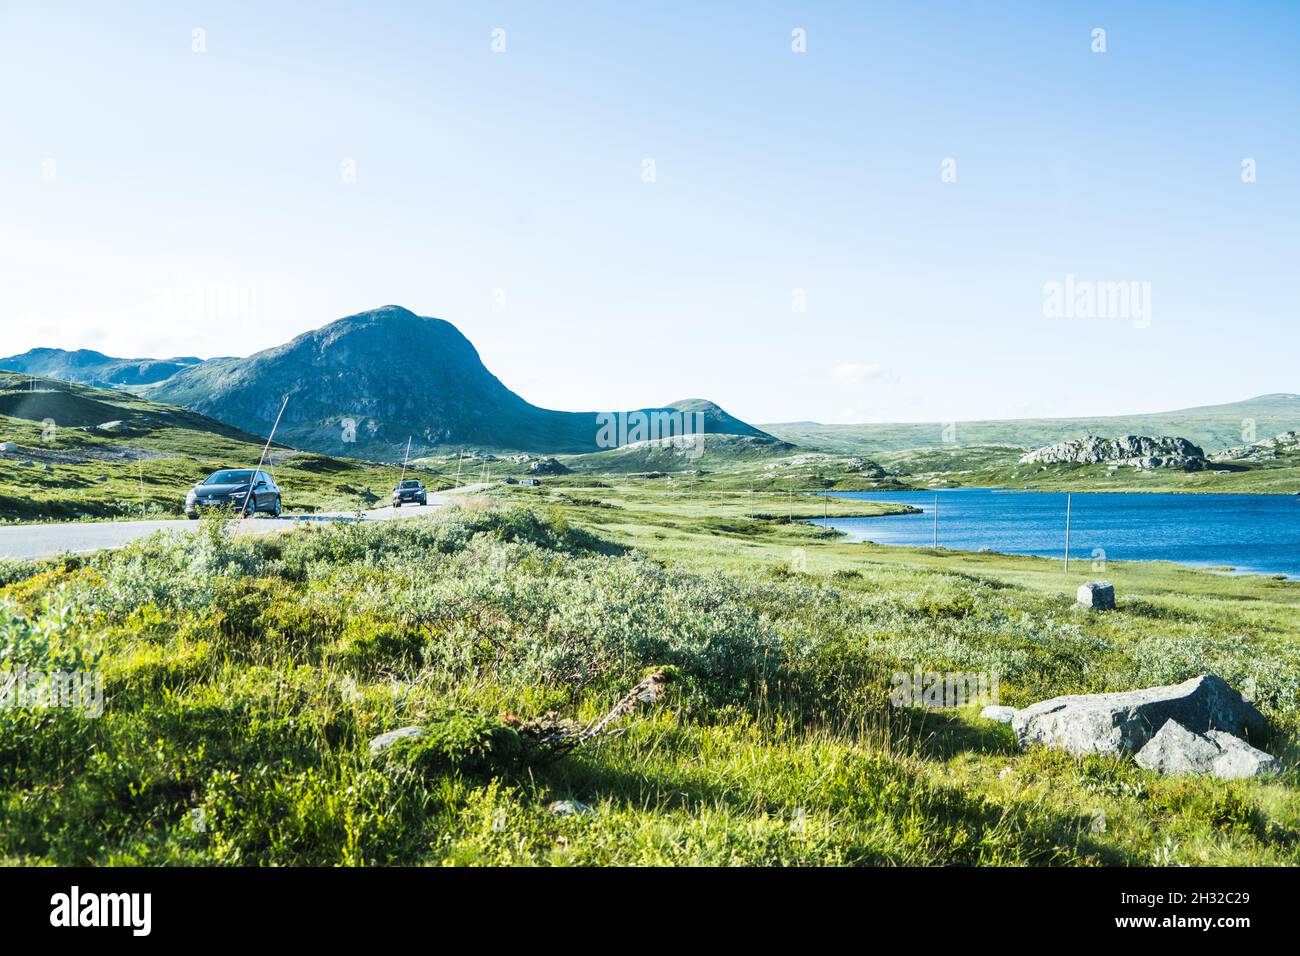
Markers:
point(1213, 427)
point(361, 385)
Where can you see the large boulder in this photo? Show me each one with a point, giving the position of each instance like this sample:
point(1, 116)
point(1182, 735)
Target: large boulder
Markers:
point(1176, 750)
point(1123, 723)
point(1097, 595)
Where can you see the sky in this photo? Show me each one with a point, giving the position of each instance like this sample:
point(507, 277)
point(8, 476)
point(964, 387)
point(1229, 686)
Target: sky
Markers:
point(840, 212)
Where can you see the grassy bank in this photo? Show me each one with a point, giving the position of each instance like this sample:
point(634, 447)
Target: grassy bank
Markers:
point(244, 678)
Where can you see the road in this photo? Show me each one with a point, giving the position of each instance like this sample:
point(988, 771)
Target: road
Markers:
point(29, 542)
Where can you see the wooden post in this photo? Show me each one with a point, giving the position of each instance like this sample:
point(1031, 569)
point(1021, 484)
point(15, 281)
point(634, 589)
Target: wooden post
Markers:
point(936, 522)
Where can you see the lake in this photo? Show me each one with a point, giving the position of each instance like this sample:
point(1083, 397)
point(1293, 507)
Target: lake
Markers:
point(1250, 533)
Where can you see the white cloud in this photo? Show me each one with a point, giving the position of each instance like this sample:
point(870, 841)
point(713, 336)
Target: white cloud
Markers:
point(853, 373)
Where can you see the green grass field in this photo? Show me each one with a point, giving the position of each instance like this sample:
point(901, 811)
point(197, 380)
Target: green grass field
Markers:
point(66, 467)
point(243, 679)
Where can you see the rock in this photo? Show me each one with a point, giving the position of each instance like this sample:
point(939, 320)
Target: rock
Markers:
point(547, 466)
point(569, 808)
point(1176, 750)
point(116, 426)
point(384, 741)
point(1098, 595)
point(1240, 760)
point(1138, 451)
point(1124, 722)
point(1002, 715)
point(7, 446)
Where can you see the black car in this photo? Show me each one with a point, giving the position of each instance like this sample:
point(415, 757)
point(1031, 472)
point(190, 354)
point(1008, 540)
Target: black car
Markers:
point(410, 490)
point(235, 489)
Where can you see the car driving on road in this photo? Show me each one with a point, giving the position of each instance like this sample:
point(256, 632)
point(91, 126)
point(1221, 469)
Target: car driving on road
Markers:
point(410, 490)
point(238, 490)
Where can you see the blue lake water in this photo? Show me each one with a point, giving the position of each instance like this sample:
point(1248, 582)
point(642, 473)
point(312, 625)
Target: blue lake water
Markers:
point(1249, 533)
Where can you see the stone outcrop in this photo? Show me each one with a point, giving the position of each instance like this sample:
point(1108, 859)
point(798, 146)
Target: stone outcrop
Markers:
point(1123, 723)
point(1176, 750)
point(1134, 450)
point(547, 466)
point(1097, 595)
point(1270, 449)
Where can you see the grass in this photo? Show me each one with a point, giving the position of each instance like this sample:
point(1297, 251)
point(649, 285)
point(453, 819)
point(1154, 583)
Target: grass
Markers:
point(244, 678)
point(75, 470)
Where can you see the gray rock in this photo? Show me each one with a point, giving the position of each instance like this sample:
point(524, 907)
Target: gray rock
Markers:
point(1098, 595)
point(1239, 760)
point(1176, 750)
point(384, 741)
point(8, 446)
point(1124, 722)
point(569, 808)
point(1139, 451)
point(1003, 715)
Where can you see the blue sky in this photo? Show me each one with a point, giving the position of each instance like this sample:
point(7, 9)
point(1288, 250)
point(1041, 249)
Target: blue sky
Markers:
point(142, 184)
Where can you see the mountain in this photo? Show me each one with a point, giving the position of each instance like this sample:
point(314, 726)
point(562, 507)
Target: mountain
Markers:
point(361, 385)
point(95, 368)
point(1213, 427)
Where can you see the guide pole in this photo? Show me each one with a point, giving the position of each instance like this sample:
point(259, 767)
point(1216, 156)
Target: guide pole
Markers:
point(408, 456)
point(267, 447)
point(1067, 534)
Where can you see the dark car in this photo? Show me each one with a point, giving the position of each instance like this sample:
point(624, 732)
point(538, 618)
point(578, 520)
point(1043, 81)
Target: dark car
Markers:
point(234, 488)
point(410, 490)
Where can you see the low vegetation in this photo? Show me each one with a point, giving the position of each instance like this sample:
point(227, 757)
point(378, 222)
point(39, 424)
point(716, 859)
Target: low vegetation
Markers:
point(244, 679)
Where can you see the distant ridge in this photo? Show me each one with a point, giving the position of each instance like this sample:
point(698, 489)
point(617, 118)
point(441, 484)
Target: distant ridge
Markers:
point(1213, 427)
point(88, 367)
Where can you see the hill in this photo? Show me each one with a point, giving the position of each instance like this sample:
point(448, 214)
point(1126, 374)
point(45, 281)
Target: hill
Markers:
point(1213, 427)
point(361, 385)
point(69, 450)
point(95, 368)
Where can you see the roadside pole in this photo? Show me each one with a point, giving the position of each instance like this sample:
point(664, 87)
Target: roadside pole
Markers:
point(1067, 534)
point(407, 457)
point(265, 448)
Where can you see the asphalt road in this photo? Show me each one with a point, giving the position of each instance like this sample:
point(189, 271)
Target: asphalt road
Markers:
point(30, 542)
